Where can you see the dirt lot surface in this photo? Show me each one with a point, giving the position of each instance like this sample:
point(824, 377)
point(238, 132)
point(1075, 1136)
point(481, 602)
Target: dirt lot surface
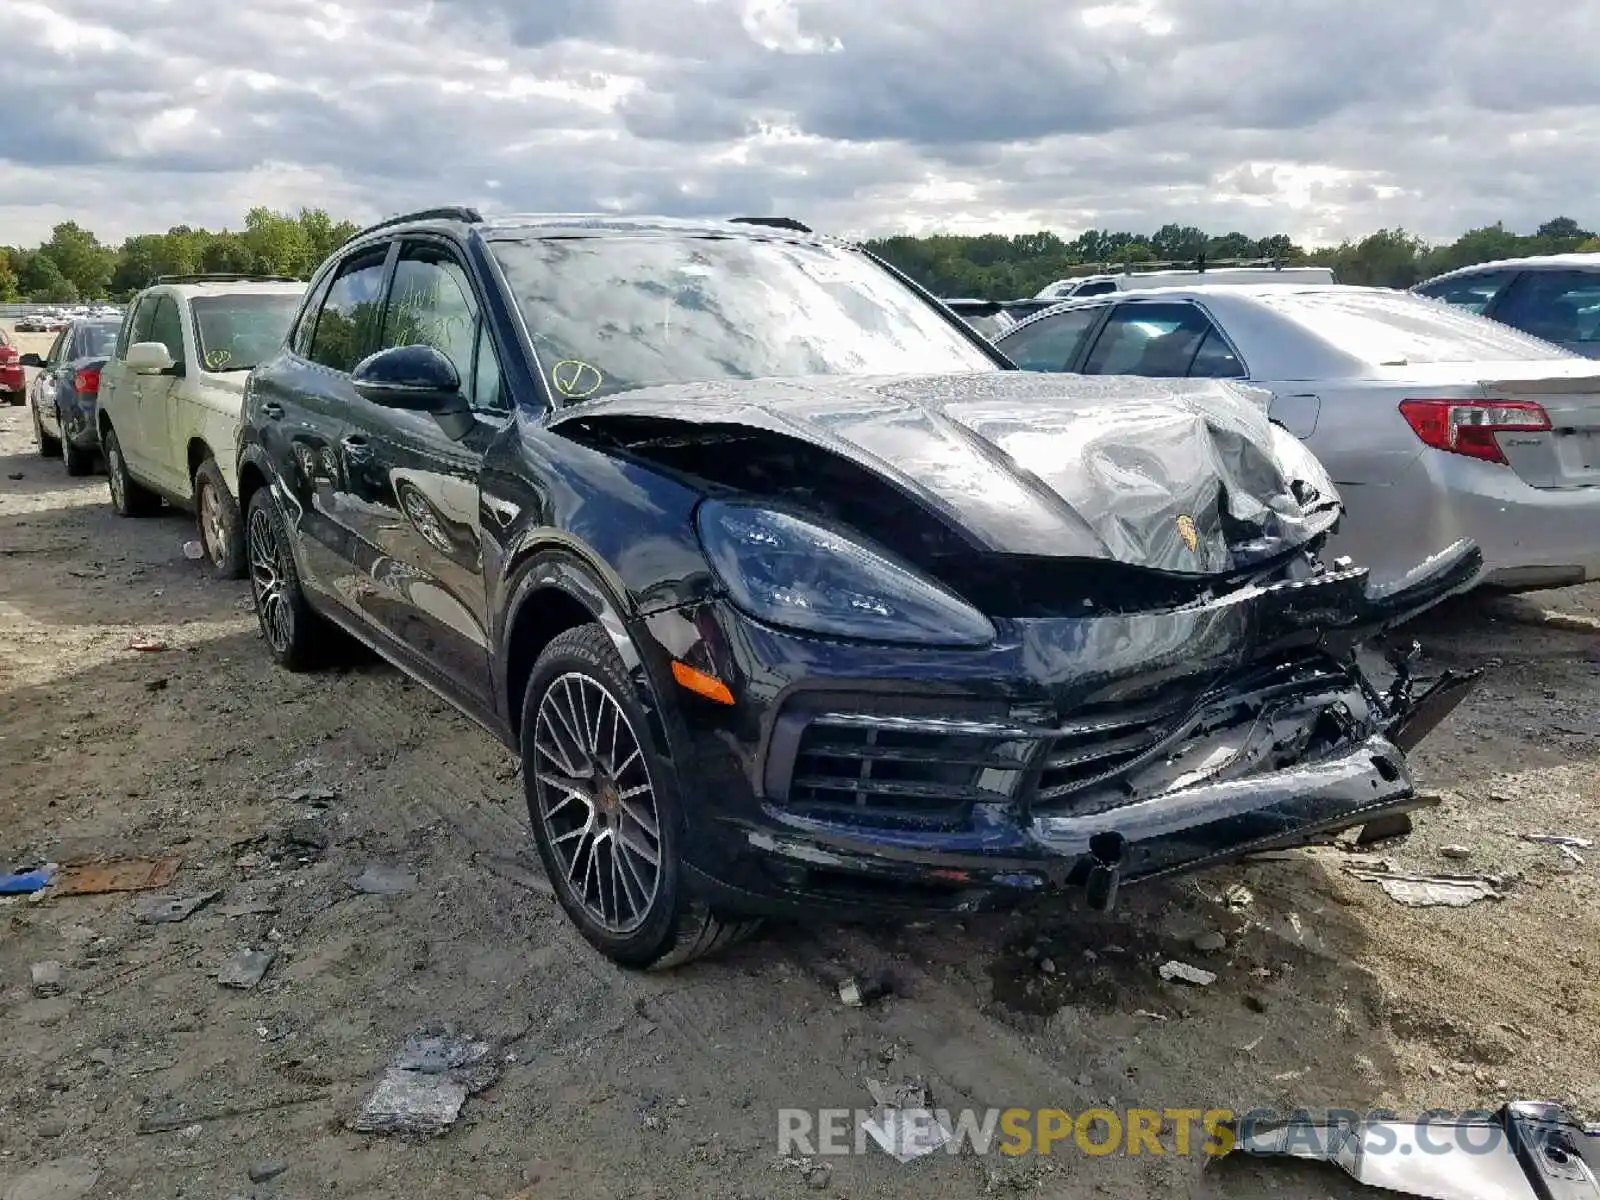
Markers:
point(144, 1075)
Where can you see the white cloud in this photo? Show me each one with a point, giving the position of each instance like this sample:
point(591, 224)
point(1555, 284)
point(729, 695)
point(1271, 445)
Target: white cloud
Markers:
point(1257, 115)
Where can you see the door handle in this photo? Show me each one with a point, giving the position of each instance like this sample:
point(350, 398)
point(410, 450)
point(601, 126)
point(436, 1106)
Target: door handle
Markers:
point(272, 410)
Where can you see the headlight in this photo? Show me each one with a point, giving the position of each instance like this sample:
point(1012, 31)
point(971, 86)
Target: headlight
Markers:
point(790, 571)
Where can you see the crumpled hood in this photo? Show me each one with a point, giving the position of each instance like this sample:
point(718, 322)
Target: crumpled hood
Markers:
point(1185, 476)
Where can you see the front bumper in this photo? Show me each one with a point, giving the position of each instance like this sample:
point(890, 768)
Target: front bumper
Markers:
point(868, 779)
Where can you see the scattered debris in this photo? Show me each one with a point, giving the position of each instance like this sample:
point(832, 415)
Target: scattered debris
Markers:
point(262, 1172)
point(119, 875)
point(902, 1123)
point(1153, 1016)
point(194, 551)
point(249, 908)
point(1526, 1148)
point(167, 910)
point(175, 1120)
point(425, 1085)
point(1558, 839)
point(1456, 852)
point(379, 880)
point(156, 685)
point(1210, 942)
point(1238, 896)
point(47, 978)
point(148, 645)
point(858, 993)
point(1183, 973)
point(1429, 891)
point(317, 797)
point(246, 968)
point(1525, 612)
point(21, 883)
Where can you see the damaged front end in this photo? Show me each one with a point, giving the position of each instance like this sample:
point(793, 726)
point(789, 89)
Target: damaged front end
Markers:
point(1149, 668)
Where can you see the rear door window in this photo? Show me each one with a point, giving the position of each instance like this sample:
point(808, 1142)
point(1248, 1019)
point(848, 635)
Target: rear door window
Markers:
point(1050, 343)
point(1559, 306)
point(1156, 340)
point(1471, 292)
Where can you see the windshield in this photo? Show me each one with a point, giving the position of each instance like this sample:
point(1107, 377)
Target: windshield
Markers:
point(97, 338)
point(236, 332)
point(612, 313)
point(1398, 329)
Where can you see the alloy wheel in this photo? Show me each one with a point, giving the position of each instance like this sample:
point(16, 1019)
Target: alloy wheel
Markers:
point(114, 474)
point(267, 582)
point(212, 528)
point(597, 802)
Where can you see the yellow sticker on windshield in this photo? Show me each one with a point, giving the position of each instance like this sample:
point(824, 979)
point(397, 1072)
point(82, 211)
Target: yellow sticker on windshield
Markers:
point(217, 359)
point(575, 379)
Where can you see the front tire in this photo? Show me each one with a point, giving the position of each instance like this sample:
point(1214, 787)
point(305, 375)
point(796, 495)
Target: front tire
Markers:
point(217, 518)
point(297, 637)
point(129, 497)
point(605, 810)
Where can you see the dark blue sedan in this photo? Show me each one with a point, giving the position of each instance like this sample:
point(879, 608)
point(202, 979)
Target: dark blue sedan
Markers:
point(66, 391)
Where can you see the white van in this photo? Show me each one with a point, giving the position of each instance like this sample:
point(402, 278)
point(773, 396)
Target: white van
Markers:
point(1136, 281)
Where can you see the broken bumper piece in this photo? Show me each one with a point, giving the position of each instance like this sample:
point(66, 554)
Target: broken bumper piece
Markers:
point(1526, 1150)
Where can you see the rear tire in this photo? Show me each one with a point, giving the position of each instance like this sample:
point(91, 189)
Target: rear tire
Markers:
point(297, 637)
point(217, 519)
point(16, 399)
point(128, 497)
point(78, 461)
point(602, 802)
point(49, 447)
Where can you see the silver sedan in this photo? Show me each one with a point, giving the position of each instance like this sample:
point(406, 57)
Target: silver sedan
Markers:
point(1436, 424)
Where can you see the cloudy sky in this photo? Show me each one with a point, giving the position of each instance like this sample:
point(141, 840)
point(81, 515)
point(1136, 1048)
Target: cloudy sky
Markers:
point(1320, 119)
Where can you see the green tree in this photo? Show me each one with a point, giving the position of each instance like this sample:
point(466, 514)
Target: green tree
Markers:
point(279, 242)
point(81, 259)
point(42, 280)
point(10, 289)
point(323, 234)
point(229, 253)
point(1562, 227)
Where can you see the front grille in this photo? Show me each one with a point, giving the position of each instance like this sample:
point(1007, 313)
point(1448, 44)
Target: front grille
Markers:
point(889, 768)
point(909, 767)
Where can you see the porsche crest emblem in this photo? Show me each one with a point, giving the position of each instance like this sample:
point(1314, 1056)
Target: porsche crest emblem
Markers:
point(1188, 532)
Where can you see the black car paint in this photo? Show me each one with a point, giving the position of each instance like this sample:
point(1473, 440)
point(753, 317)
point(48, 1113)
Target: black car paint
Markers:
point(568, 528)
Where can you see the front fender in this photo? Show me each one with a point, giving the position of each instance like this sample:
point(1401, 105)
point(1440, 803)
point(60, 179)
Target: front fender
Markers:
point(564, 569)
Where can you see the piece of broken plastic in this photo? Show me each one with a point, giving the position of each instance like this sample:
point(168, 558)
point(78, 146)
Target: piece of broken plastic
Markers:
point(907, 1134)
point(1527, 1150)
point(22, 883)
point(166, 910)
point(425, 1085)
point(246, 969)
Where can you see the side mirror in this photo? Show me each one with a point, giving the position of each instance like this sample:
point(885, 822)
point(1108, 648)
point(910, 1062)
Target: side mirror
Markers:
point(414, 378)
point(31, 360)
point(149, 358)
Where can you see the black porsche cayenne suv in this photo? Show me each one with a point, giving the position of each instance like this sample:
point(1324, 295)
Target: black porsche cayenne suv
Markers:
point(793, 596)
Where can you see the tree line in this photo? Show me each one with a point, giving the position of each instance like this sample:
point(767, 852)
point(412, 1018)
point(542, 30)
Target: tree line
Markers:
point(993, 266)
point(74, 265)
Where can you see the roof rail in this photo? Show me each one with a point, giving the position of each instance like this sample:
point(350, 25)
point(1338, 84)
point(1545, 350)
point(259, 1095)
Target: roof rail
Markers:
point(773, 222)
point(224, 277)
point(446, 212)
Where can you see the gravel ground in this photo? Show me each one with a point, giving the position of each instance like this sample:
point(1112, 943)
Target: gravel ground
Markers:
point(627, 1085)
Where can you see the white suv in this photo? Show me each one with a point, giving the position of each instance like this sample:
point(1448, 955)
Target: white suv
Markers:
point(170, 398)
